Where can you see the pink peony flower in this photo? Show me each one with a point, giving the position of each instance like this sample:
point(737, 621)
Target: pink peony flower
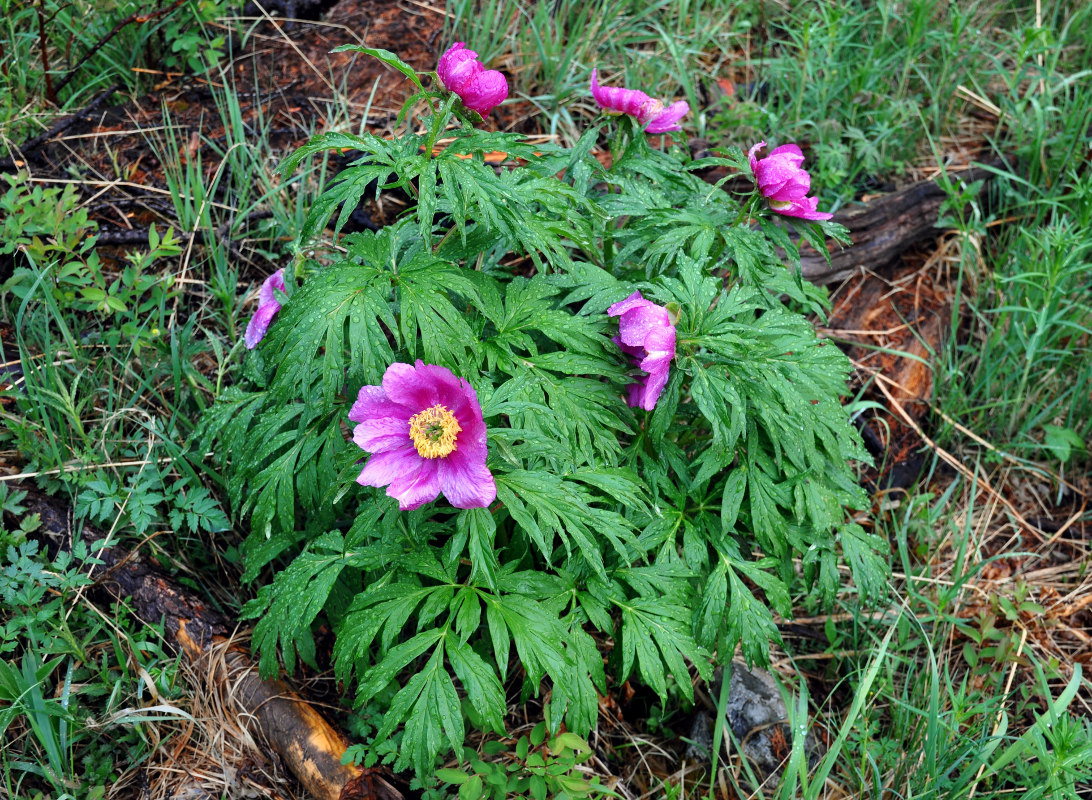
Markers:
point(268, 306)
point(650, 113)
point(782, 181)
point(480, 89)
point(424, 429)
point(646, 332)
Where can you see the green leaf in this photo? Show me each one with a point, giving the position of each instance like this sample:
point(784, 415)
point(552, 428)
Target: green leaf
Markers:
point(286, 608)
point(385, 606)
point(449, 775)
point(546, 506)
point(428, 315)
point(657, 633)
point(536, 631)
point(382, 159)
point(337, 320)
point(481, 531)
point(387, 57)
point(749, 621)
point(1063, 442)
point(429, 706)
point(394, 662)
point(483, 689)
point(862, 550)
point(732, 499)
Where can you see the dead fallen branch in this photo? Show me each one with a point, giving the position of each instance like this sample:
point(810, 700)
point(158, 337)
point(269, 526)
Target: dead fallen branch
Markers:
point(135, 17)
point(31, 146)
point(307, 743)
point(885, 228)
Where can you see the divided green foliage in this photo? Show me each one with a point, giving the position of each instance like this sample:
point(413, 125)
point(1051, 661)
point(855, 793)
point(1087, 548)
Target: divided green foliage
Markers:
point(675, 534)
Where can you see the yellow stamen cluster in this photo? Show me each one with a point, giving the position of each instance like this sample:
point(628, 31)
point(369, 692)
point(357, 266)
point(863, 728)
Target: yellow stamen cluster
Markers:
point(433, 431)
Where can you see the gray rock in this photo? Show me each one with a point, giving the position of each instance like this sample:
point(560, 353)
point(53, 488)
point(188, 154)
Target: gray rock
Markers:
point(758, 718)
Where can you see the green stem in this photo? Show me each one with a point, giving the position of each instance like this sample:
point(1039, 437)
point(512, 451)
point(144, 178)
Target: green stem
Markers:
point(439, 123)
point(746, 209)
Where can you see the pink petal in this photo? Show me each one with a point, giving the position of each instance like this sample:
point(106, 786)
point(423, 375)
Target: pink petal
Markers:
point(415, 489)
point(484, 91)
point(382, 468)
point(471, 442)
point(617, 99)
point(780, 178)
point(660, 342)
point(753, 159)
point(450, 390)
point(472, 437)
point(382, 434)
point(668, 119)
point(259, 324)
point(656, 362)
point(372, 401)
point(791, 151)
point(457, 66)
point(266, 294)
point(409, 478)
point(635, 300)
point(636, 324)
point(465, 481)
point(404, 386)
point(791, 190)
point(653, 387)
point(805, 209)
point(268, 306)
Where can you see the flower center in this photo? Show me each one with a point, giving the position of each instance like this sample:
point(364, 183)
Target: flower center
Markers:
point(649, 109)
point(780, 205)
point(433, 431)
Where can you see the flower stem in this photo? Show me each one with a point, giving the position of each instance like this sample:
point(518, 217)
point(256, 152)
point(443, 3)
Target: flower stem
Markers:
point(439, 122)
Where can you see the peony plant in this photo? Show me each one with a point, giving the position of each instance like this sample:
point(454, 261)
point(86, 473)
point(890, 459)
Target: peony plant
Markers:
point(559, 426)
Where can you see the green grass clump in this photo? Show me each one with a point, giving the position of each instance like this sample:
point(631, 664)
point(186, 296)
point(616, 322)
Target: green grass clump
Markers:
point(71, 678)
point(1021, 369)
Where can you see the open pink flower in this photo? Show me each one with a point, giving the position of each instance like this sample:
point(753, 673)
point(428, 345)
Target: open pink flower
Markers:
point(268, 306)
point(479, 88)
point(784, 183)
point(651, 114)
point(645, 332)
point(424, 429)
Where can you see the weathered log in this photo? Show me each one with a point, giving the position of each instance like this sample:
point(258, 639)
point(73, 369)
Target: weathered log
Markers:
point(310, 747)
point(884, 228)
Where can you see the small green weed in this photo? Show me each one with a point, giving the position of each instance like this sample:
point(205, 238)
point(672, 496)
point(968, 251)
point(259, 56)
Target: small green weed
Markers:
point(64, 666)
point(536, 767)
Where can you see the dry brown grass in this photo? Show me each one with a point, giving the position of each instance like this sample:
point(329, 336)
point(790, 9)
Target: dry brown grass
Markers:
point(216, 752)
